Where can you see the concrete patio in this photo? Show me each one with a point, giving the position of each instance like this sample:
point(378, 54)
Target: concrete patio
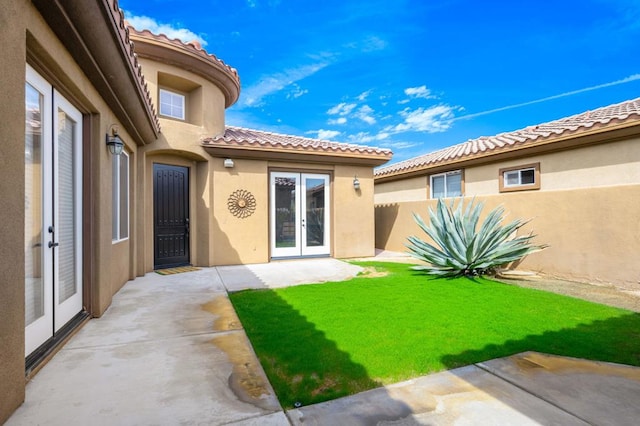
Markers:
point(170, 350)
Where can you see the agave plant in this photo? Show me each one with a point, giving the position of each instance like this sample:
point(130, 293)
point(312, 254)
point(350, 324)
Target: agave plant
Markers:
point(463, 249)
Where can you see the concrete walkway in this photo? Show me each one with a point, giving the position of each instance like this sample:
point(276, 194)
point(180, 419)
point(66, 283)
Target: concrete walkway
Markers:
point(170, 350)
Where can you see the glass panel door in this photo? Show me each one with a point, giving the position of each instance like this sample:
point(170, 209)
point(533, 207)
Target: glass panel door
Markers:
point(67, 212)
point(299, 214)
point(285, 220)
point(315, 225)
point(53, 267)
point(38, 259)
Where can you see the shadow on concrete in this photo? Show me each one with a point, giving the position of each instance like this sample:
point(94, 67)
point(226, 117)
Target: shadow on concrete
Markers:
point(594, 392)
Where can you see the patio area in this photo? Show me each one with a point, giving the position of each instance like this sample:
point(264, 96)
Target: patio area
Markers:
point(170, 350)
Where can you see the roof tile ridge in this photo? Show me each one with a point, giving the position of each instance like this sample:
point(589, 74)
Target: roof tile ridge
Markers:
point(123, 29)
point(335, 145)
point(194, 45)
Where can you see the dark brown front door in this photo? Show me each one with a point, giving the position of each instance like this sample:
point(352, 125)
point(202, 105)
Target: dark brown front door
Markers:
point(170, 215)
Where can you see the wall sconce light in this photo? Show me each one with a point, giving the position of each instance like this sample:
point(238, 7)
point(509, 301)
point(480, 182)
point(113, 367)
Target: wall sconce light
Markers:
point(228, 163)
point(114, 142)
point(356, 183)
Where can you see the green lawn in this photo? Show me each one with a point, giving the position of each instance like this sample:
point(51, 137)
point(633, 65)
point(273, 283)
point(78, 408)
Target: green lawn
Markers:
point(319, 342)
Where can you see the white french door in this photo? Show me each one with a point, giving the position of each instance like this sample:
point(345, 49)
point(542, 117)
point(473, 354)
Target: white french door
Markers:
point(53, 215)
point(300, 214)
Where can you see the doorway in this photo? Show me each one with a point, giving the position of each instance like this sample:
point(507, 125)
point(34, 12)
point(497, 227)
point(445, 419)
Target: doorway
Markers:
point(53, 211)
point(171, 225)
point(300, 214)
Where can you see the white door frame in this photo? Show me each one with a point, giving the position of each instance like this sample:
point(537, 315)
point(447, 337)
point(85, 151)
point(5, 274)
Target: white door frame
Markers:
point(56, 313)
point(67, 309)
point(41, 329)
point(325, 248)
point(301, 246)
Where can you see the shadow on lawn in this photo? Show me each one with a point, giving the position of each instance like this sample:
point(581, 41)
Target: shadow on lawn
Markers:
point(306, 369)
point(585, 389)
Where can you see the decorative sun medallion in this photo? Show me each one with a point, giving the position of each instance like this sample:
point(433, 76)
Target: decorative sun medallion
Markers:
point(241, 203)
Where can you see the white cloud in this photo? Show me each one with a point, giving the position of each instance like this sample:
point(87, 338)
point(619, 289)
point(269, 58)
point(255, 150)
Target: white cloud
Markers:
point(342, 108)
point(145, 23)
point(419, 92)
point(625, 80)
point(362, 137)
point(364, 113)
point(252, 3)
point(325, 134)
point(400, 145)
point(434, 119)
point(373, 43)
point(366, 137)
point(296, 92)
point(252, 96)
point(339, 120)
point(362, 96)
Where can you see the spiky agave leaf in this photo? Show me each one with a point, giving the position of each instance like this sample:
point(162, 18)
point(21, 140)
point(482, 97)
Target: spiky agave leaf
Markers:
point(460, 248)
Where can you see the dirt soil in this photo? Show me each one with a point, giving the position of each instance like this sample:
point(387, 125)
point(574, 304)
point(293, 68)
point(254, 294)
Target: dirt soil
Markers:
point(605, 294)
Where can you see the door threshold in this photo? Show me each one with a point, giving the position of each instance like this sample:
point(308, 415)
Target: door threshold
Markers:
point(38, 358)
point(310, 256)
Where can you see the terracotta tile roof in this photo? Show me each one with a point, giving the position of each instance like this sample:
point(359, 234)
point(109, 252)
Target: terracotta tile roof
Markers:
point(194, 48)
point(192, 45)
point(601, 118)
point(238, 137)
point(123, 29)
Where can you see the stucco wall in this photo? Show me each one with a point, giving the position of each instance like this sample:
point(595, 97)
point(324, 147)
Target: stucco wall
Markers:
point(353, 215)
point(237, 240)
point(410, 189)
point(594, 233)
point(13, 18)
point(205, 102)
point(606, 164)
point(613, 163)
point(29, 39)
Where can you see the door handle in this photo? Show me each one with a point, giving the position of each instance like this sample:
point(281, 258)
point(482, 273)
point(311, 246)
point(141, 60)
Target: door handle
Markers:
point(52, 244)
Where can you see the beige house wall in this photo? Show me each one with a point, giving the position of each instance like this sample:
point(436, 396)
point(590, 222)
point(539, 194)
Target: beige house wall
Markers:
point(606, 164)
point(13, 17)
point(236, 240)
point(410, 189)
point(353, 217)
point(205, 103)
point(106, 267)
point(587, 209)
point(609, 164)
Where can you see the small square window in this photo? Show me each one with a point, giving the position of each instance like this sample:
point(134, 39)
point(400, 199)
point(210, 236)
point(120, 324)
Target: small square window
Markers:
point(446, 184)
point(172, 104)
point(520, 178)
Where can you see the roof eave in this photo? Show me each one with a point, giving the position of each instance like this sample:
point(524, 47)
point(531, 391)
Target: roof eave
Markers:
point(297, 155)
point(567, 140)
point(94, 34)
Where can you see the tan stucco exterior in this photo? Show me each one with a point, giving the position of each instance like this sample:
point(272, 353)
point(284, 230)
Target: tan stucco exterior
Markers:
point(29, 39)
point(586, 209)
point(82, 50)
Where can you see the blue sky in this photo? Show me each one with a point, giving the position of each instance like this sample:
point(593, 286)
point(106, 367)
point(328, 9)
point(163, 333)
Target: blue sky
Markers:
point(414, 76)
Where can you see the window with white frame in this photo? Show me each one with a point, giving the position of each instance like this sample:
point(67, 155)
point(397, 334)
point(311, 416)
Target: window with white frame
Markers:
point(172, 104)
point(120, 222)
point(445, 185)
point(520, 178)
